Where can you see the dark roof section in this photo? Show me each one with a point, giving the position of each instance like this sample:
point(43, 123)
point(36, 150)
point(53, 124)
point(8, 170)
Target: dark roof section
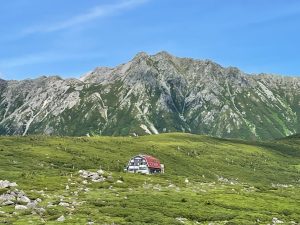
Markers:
point(152, 162)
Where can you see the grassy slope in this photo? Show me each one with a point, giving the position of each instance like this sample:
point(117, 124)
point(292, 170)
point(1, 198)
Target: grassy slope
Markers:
point(245, 195)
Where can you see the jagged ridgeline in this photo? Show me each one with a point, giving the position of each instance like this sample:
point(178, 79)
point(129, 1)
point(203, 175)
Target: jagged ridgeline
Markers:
point(154, 94)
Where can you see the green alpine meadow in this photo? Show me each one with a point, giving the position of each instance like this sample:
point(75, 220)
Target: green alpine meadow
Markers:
point(207, 180)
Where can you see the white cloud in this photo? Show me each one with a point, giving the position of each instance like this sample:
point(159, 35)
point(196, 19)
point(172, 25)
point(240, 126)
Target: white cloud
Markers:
point(99, 11)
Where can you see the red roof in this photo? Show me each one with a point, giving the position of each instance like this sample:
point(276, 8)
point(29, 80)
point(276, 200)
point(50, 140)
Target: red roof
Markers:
point(152, 162)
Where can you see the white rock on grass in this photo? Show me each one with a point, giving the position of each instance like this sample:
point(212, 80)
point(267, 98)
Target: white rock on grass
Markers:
point(32, 205)
point(23, 199)
point(99, 179)
point(276, 221)
point(40, 210)
point(7, 184)
point(61, 219)
point(64, 204)
point(20, 207)
point(8, 203)
point(7, 197)
point(93, 176)
point(84, 182)
point(101, 172)
point(181, 220)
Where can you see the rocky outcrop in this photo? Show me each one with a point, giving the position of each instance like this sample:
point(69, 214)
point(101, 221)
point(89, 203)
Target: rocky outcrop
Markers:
point(10, 195)
point(154, 94)
point(93, 176)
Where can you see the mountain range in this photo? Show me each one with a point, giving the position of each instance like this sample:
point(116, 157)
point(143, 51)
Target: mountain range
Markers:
point(154, 94)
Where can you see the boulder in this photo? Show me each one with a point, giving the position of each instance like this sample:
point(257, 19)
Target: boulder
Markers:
point(7, 197)
point(61, 219)
point(8, 203)
point(276, 221)
point(99, 179)
point(23, 199)
point(32, 205)
point(64, 204)
point(40, 210)
point(6, 184)
point(20, 207)
point(100, 172)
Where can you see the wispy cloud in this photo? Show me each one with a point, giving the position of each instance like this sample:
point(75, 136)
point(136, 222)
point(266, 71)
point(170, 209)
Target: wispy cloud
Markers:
point(97, 12)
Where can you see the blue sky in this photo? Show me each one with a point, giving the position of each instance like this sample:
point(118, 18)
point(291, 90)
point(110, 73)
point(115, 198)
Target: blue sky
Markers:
point(69, 38)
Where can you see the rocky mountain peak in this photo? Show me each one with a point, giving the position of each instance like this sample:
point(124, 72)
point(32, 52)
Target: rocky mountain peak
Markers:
point(140, 56)
point(164, 54)
point(153, 94)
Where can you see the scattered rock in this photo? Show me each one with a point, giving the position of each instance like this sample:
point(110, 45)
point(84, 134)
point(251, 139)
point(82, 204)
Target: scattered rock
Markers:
point(99, 179)
point(8, 203)
point(32, 205)
point(40, 210)
point(7, 197)
point(64, 204)
point(119, 182)
point(84, 182)
point(100, 172)
point(94, 176)
point(23, 199)
point(181, 220)
point(20, 207)
point(61, 219)
point(7, 184)
point(14, 196)
point(276, 221)
point(110, 178)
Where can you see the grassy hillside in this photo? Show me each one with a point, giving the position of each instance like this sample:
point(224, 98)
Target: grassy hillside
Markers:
point(207, 180)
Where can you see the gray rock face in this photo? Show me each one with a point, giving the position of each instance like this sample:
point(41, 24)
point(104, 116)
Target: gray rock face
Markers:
point(154, 94)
